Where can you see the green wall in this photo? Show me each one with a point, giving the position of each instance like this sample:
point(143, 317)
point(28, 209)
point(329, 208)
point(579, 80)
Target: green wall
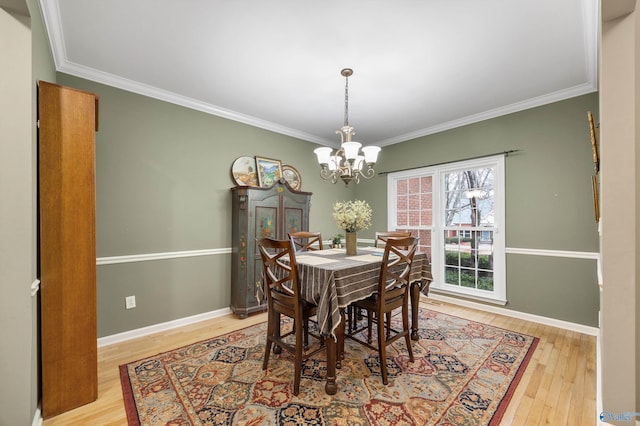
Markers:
point(549, 203)
point(163, 180)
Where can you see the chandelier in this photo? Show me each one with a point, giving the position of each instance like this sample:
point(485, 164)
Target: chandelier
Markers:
point(347, 163)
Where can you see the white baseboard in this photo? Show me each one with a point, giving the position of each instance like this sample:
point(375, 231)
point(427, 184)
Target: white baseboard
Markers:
point(37, 418)
point(580, 328)
point(156, 328)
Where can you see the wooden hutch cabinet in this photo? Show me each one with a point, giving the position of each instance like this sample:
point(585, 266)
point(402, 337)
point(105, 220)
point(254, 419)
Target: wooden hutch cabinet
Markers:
point(257, 213)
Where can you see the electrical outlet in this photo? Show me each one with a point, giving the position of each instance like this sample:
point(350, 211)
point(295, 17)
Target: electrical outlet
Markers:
point(130, 302)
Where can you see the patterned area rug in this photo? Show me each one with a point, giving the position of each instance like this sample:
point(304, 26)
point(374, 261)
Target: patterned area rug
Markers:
point(464, 374)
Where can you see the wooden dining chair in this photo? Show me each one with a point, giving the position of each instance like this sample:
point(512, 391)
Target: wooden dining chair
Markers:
point(282, 285)
point(353, 314)
point(382, 236)
point(304, 240)
point(392, 293)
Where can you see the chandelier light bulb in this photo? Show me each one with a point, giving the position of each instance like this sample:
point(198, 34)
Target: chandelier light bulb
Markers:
point(323, 154)
point(371, 154)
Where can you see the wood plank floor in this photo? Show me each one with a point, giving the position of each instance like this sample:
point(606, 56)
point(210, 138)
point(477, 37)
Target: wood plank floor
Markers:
point(557, 388)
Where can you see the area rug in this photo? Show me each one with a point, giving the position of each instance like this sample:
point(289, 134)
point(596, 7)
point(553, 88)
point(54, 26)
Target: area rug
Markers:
point(464, 373)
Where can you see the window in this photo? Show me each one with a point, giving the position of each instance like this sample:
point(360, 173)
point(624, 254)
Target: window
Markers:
point(457, 211)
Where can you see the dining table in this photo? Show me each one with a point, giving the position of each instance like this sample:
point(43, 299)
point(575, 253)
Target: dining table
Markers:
point(332, 281)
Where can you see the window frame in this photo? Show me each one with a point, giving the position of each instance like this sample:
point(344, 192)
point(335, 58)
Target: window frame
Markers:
point(437, 228)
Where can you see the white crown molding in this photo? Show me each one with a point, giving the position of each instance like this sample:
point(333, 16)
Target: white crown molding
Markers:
point(560, 95)
point(51, 15)
point(591, 14)
point(163, 95)
point(52, 22)
point(157, 328)
point(590, 10)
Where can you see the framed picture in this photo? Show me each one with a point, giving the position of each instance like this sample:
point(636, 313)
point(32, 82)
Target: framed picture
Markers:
point(243, 171)
point(594, 142)
point(596, 166)
point(291, 175)
point(269, 171)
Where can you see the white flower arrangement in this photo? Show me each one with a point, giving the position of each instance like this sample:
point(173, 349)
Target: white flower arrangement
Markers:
point(352, 216)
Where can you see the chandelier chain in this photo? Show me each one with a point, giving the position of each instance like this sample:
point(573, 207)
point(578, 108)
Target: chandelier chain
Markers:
point(346, 101)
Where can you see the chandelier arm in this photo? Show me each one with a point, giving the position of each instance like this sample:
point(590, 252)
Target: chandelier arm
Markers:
point(368, 174)
point(326, 174)
point(334, 177)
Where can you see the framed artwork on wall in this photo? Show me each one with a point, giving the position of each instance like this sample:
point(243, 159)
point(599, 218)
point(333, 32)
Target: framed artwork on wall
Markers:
point(594, 142)
point(596, 166)
point(292, 176)
point(243, 171)
point(269, 171)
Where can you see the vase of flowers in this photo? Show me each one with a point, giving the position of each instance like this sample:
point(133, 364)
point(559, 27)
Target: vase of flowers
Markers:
point(352, 216)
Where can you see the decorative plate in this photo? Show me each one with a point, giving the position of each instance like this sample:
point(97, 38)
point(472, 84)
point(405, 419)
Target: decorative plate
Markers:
point(243, 171)
point(292, 177)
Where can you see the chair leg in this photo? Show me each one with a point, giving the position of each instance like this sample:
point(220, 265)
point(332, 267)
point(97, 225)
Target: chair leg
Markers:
point(382, 348)
point(277, 332)
point(306, 333)
point(298, 361)
point(388, 327)
point(267, 350)
point(406, 330)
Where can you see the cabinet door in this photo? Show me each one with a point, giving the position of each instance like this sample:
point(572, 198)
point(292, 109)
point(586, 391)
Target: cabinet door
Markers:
point(293, 219)
point(266, 214)
point(295, 213)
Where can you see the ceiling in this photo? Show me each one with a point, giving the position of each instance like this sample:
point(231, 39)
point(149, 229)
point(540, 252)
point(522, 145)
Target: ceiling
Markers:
point(420, 66)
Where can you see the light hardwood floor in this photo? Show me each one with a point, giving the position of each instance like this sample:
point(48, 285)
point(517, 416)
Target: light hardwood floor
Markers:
point(557, 388)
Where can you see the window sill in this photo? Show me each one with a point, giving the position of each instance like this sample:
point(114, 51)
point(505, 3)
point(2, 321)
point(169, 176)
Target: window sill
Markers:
point(493, 301)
